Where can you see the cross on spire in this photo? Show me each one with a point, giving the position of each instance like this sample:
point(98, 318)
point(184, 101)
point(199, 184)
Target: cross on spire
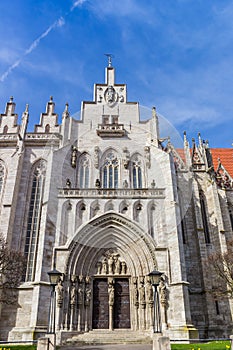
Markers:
point(109, 56)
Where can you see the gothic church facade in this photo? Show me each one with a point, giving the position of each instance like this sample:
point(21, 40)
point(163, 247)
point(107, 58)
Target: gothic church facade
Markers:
point(103, 201)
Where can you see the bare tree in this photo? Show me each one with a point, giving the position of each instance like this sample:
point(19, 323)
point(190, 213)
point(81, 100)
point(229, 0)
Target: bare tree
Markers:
point(12, 266)
point(221, 264)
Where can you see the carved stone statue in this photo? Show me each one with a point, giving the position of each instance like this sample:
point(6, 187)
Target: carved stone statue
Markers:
point(147, 155)
point(117, 265)
point(149, 292)
point(111, 293)
point(135, 292)
point(74, 156)
point(163, 292)
point(87, 295)
point(99, 266)
point(104, 267)
point(142, 298)
point(68, 183)
point(73, 292)
point(80, 294)
point(123, 268)
point(110, 264)
point(60, 293)
point(96, 157)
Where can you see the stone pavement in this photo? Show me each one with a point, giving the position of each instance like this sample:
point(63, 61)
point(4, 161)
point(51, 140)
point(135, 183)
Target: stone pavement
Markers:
point(109, 347)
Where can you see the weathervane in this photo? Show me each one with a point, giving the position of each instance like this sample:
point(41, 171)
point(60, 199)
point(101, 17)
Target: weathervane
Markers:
point(110, 56)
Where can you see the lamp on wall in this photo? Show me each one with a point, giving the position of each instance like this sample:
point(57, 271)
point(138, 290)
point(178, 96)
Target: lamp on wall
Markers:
point(155, 279)
point(54, 276)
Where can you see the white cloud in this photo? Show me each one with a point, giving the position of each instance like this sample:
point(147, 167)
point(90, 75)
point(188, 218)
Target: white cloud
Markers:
point(76, 4)
point(58, 23)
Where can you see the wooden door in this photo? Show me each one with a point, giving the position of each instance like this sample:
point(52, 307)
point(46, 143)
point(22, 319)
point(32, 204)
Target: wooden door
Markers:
point(121, 318)
point(100, 318)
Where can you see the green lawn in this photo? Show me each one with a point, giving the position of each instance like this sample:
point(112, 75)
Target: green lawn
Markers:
point(214, 345)
point(18, 347)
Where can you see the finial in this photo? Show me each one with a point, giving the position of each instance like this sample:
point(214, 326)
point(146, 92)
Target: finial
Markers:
point(154, 114)
point(51, 99)
point(26, 108)
point(66, 107)
point(110, 56)
point(11, 99)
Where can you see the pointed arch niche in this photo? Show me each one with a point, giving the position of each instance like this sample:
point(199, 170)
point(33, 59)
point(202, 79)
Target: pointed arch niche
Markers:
point(35, 199)
point(84, 166)
point(109, 251)
point(137, 178)
point(2, 177)
point(110, 169)
point(109, 231)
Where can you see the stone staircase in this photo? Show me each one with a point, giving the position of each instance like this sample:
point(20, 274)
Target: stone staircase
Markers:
point(118, 336)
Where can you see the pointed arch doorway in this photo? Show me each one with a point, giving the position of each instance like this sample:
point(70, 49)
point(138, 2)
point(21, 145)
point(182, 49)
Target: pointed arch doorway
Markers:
point(109, 260)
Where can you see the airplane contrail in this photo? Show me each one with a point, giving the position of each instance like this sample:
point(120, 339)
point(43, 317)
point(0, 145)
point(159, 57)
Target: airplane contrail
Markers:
point(58, 23)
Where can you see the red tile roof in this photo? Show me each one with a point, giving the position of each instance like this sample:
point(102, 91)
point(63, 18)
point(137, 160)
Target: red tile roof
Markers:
point(226, 157)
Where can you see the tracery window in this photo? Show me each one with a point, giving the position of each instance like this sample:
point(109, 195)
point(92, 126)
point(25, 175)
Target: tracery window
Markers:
point(110, 171)
point(2, 175)
point(137, 172)
point(33, 220)
point(231, 218)
point(204, 217)
point(84, 171)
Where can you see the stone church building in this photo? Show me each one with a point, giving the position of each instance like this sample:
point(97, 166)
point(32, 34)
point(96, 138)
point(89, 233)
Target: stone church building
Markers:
point(105, 201)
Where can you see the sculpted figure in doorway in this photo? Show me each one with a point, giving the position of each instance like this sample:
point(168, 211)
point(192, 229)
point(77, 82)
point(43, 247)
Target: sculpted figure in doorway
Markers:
point(110, 264)
point(117, 265)
point(104, 267)
point(60, 292)
point(142, 292)
point(111, 292)
point(149, 292)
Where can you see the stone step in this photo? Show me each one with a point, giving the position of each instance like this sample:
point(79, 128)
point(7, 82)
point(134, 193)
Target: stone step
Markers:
point(111, 337)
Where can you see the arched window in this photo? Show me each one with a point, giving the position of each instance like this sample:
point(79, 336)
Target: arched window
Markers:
point(84, 171)
point(33, 220)
point(136, 172)
point(231, 218)
point(2, 176)
point(47, 128)
point(5, 130)
point(152, 219)
point(110, 171)
point(204, 217)
point(137, 209)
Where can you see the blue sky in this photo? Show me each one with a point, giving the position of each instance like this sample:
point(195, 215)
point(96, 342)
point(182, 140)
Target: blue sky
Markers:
point(176, 55)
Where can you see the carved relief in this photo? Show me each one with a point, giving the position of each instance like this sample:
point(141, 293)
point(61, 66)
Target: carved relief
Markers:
point(80, 290)
point(111, 291)
point(223, 179)
point(135, 291)
point(126, 158)
point(142, 299)
point(163, 293)
point(111, 264)
point(96, 157)
point(87, 296)
point(149, 293)
point(110, 95)
point(74, 156)
point(147, 156)
point(60, 293)
point(73, 291)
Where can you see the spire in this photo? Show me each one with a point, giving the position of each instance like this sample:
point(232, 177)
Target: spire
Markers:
point(66, 113)
point(10, 107)
point(109, 56)
point(24, 123)
point(50, 106)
